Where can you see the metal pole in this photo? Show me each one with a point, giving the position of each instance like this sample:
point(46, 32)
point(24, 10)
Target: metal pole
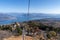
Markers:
point(28, 9)
point(23, 34)
point(28, 6)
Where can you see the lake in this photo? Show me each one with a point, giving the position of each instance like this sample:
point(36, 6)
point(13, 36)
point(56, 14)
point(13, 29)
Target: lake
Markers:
point(21, 17)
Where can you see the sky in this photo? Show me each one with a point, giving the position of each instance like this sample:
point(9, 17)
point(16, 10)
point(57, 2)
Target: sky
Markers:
point(36, 6)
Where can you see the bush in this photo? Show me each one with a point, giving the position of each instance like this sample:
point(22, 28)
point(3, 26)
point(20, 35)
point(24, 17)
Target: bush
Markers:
point(51, 34)
point(19, 30)
point(57, 30)
point(6, 27)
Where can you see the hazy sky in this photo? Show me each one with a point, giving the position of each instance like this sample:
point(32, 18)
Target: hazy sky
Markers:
point(36, 6)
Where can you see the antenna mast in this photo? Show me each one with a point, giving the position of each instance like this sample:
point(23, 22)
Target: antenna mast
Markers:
point(27, 15)
point(28, 6)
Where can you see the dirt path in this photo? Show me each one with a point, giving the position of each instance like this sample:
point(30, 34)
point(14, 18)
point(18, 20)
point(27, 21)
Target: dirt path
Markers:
point(6, 35)
point(19, 38)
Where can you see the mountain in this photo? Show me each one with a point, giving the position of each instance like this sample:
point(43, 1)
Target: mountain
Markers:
point(55, 22)
point(31, 16)
point(6, 17)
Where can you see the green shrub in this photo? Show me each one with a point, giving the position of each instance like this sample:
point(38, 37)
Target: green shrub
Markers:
point(19, 30)
point(51, 34)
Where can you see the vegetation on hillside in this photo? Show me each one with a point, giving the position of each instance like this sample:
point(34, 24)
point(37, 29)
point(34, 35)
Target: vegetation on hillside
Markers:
point(32, 27)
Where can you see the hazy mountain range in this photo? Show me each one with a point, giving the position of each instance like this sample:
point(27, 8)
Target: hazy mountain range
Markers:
point(32, 15)
point(20, 17)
